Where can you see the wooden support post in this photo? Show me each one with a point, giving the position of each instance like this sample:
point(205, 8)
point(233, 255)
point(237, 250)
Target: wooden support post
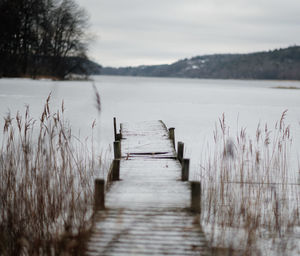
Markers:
point(99, 196)
point(115, 128)
point(118, 136)
point(116, 169)
point(180, 149)
point(172, 135)
point(117, 149)
point(185, 169)
point(196, 197)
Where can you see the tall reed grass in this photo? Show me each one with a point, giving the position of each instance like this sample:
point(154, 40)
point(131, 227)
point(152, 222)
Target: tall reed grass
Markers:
point(251, 193)
point(46, 185)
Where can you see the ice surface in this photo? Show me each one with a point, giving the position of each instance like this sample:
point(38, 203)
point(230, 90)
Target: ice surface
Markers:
point(192, 106)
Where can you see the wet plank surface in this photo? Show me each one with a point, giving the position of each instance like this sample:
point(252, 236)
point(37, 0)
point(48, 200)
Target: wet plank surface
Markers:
point(147, 211)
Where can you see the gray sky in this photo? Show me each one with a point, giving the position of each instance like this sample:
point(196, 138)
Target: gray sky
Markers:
point(136, 32)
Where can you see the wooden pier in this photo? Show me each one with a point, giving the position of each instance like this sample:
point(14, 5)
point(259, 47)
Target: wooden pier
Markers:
point(150, 207)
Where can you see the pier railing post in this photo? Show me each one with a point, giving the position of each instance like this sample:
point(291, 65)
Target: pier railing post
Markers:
point(118, 136)
point(117, 149)
point(115, 128)
point(116, 169)
point(185, 169)
point(180, 149)
point(99, 195)
point(172, 135)
point(196, 197)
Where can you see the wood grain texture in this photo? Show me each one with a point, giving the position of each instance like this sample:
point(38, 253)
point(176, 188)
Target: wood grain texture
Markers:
point(148, 209)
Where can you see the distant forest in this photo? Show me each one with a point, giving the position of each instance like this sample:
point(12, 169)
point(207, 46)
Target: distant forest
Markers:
point(43, 38)
point(277, 64)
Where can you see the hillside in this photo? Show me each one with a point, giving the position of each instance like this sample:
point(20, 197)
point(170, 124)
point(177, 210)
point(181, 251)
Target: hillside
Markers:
point(277, 64)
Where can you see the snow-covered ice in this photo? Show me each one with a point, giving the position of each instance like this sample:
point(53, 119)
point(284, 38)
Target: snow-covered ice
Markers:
point(192, 106)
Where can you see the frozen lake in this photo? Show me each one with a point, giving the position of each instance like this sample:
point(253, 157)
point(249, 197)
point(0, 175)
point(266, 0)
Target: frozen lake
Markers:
point(192, 106)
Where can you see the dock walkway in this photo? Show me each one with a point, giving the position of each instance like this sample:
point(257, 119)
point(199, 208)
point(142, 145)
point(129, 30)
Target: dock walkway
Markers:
point(147, 212)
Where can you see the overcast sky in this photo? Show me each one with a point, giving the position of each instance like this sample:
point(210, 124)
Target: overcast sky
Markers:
point(136, 32)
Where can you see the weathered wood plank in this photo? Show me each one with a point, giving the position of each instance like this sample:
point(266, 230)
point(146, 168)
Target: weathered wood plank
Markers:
point(149, 183)
point(148, 209)
point(146, 139)
point(147, 233)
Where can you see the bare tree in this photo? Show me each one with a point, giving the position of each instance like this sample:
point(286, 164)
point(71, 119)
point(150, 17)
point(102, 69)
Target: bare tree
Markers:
point(41, 37)
point(70, 23)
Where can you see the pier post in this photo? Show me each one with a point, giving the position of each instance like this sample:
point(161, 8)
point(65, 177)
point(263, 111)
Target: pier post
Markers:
point(172, 135)
point(117, 149)
point(185, 169)
point(196, 197)
point(118, 136)
point(115, 128)
point(180, 149)
point(99, 195)
point(116, 169)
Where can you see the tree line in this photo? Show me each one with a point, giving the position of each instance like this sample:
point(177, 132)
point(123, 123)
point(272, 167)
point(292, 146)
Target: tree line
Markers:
point(42, 38)
point(276, 64)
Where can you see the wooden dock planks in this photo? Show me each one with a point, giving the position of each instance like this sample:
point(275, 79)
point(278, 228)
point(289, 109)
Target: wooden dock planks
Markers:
point(147, 211)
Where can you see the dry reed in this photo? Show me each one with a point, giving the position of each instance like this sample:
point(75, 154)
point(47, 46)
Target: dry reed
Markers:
point(250, 192)
point(46, 183)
